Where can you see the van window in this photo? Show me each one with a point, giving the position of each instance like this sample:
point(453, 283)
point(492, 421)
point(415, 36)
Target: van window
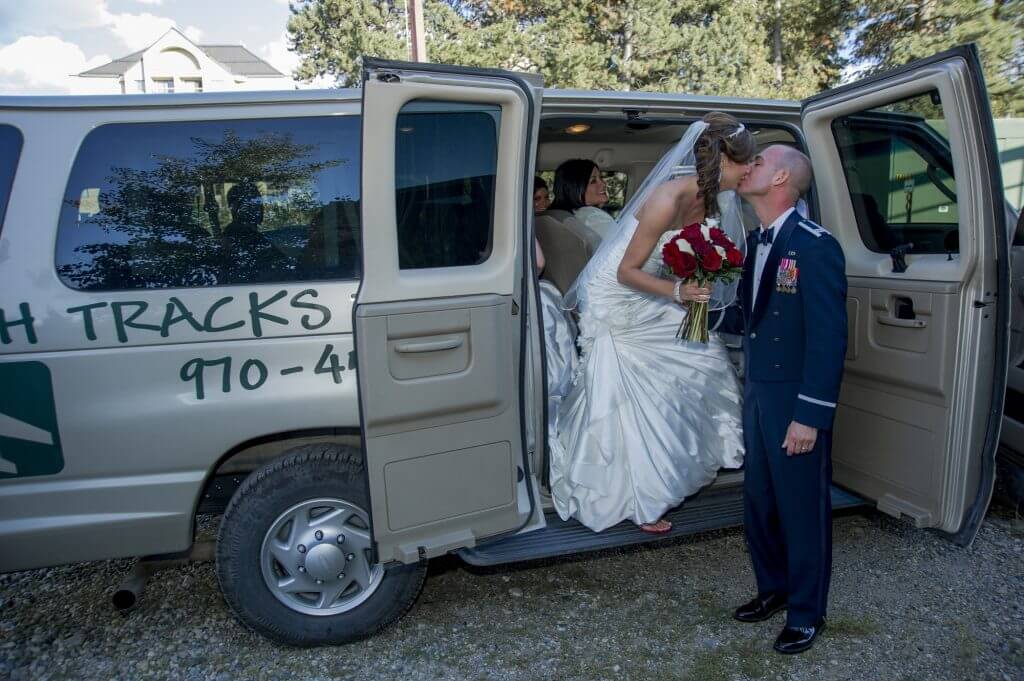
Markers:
point(207, 203)
point(446, 159)
point(899, 171)
point(10, 151)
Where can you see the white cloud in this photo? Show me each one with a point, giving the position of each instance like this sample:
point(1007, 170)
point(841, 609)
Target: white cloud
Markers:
point(62, 17)
point(52, 16)
point(139, 30)
point(280, 57)
point(150, 2)
point(43, 64)
point(277, 53)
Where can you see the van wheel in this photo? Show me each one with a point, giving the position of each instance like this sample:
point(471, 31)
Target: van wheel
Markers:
point(293, 552)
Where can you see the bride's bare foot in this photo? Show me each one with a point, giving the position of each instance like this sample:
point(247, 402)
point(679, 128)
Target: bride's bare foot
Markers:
point(658, 527)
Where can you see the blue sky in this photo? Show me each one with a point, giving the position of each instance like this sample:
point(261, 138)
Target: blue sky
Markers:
point(42, 42)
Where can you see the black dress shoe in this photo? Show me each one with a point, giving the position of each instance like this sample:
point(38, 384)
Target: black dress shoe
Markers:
point(761, 608)
point(798, 639)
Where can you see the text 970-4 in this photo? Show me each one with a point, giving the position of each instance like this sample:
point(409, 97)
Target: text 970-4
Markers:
point(253, 373)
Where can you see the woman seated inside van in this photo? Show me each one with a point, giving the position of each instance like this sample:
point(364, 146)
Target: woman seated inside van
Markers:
point(580, 190)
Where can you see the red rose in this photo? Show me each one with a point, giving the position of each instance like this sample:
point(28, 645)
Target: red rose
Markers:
point(734, 257)
point(688, 265)
point(711, 261)
point(719, 238)
point(692, 234)
point(702, 248)
point(670, 256)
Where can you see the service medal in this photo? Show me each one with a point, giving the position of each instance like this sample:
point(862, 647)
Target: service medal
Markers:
point(787, 275)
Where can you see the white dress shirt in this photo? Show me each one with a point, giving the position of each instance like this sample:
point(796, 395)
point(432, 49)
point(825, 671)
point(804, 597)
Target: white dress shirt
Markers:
point(761, 257)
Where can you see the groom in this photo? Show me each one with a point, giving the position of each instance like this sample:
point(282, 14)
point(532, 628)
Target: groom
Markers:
point(794, 317)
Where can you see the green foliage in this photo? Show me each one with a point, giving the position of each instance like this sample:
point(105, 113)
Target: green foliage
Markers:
point(753, 48)
point(894, 32)
point(698, 46)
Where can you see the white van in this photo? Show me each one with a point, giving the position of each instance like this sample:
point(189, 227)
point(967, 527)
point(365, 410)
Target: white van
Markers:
point(317, 308)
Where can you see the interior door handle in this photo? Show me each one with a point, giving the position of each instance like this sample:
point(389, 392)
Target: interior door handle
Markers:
point(429, 346)
point(903, 323)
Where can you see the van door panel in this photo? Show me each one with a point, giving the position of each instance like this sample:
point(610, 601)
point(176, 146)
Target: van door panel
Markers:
point(440, 342)
point(927, 361)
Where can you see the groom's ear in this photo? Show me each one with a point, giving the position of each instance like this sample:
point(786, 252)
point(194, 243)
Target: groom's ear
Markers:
point(781, 177)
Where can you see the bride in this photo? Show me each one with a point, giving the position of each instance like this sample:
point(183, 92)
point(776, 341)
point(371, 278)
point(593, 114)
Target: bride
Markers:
point(648, 419)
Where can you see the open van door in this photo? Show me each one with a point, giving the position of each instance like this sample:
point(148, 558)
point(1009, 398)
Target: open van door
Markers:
point(447, 170)
point(908, 180)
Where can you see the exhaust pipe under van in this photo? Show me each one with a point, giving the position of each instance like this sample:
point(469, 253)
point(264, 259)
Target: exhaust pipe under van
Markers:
point(128, 593)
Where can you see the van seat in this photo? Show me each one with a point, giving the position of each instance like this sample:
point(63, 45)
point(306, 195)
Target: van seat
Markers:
point(568, 245)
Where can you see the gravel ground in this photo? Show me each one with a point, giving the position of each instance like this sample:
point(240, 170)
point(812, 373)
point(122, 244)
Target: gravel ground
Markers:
point(905, 604)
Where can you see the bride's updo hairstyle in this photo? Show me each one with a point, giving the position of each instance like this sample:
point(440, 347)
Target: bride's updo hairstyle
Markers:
point(724, 135)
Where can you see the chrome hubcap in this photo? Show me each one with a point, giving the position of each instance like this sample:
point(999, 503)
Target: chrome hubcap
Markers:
point(315, 557)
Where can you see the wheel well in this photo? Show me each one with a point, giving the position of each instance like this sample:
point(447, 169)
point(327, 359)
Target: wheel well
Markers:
point(236, 464)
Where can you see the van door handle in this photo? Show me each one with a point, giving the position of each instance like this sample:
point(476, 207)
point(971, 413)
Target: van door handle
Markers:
point(429, 346)
point(903, 323)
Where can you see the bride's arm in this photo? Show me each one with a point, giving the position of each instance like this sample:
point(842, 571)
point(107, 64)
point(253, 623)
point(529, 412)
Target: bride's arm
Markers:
point(658, 214)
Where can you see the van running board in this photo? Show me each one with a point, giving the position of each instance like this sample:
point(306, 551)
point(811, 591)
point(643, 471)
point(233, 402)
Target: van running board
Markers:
point(711, 509)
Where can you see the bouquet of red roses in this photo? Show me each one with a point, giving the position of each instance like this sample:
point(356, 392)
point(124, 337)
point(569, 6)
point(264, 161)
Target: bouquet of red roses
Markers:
point(705, 254)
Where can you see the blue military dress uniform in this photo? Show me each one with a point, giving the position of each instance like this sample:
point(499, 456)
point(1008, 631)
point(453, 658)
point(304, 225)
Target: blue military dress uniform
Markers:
point(794, 348)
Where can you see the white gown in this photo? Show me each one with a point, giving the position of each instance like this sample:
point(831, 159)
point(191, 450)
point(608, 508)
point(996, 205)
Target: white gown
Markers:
point(647, 419)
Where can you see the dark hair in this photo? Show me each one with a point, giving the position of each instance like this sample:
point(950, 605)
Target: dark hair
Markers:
point(539, 183)
point(722, 136)
point(571, 180)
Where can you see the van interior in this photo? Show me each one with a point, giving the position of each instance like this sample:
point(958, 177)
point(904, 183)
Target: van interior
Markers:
point(890, 438)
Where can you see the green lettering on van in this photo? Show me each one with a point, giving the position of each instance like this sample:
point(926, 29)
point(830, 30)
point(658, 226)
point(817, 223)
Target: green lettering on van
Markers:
point(29, 439)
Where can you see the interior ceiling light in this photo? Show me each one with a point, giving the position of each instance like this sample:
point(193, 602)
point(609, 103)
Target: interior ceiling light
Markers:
point(577, 128)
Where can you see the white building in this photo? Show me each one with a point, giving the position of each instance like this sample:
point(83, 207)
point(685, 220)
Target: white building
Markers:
point(176, 64)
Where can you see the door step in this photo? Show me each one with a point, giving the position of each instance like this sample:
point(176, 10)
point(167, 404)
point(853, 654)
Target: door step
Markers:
point(710, 509)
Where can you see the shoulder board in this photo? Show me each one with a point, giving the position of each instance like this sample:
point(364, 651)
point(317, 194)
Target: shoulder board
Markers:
point(815, 229)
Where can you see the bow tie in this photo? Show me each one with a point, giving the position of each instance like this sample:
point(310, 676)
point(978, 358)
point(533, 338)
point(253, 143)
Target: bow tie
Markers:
point(764, 236)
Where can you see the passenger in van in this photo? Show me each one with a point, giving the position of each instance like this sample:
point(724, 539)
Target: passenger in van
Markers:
point(251, 256)
point(650, 419)
point(541, 195)
point(580, 190)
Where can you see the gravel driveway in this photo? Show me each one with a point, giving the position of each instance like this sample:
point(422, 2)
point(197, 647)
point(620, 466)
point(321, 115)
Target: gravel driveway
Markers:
point(905, 605)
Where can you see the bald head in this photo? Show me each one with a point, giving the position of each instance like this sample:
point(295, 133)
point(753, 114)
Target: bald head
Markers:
point(796, 165)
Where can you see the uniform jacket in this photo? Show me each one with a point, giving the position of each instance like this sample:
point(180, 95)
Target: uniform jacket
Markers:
point(795, 323)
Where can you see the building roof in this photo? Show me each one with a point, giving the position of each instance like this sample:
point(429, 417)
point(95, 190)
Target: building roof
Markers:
point(237, 59)
point(115, 68)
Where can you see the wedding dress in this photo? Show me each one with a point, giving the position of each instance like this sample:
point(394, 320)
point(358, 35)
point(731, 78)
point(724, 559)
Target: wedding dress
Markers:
point(647, 419)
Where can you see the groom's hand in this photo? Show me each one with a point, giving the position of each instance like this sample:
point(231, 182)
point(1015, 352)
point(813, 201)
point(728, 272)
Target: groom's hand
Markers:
point(800, 439)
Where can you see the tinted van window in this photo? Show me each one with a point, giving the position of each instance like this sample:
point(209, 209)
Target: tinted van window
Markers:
point(10, 151)
point(900, 174)
point(206, 203)
point(446, 159)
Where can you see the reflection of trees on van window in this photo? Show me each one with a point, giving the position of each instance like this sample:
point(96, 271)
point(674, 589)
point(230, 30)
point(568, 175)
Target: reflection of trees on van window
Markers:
point(200, 204)
point(445, 173)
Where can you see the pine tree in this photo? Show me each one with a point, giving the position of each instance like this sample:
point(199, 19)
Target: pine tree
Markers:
point(894, 32)
point(753, 48)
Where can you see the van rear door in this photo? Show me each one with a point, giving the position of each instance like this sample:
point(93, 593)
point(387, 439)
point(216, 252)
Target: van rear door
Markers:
point(447, 164)
point(906, 163)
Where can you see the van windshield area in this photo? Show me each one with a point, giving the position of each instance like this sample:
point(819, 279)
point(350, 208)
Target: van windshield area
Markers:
point(10, 151)
point(208, 203)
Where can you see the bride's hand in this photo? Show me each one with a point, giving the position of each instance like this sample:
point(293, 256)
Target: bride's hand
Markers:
point(691, 291)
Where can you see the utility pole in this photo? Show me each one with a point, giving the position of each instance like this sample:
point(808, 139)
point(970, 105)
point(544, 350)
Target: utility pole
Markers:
point(417, 38)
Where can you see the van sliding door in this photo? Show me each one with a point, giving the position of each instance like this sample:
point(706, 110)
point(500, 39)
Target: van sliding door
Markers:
point(440, 319)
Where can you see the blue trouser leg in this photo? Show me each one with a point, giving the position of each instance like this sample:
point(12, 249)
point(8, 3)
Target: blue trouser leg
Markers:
point(760, 512)
point(802, 483)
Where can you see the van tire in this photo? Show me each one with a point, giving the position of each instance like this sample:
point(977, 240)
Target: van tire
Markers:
point(308, 472)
